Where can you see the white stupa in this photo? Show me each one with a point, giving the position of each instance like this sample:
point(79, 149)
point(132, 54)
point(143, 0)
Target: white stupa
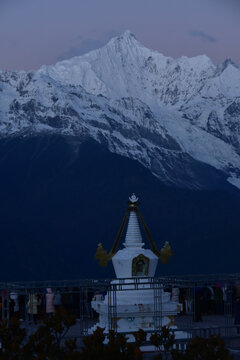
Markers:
point(135, 300)
point(134, 260)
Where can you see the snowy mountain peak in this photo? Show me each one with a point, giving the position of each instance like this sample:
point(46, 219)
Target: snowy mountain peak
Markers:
point(224, 65)
point(122, 45)
point(125, 36)
point(165, 113)
point(124, 67)
point(227, 62)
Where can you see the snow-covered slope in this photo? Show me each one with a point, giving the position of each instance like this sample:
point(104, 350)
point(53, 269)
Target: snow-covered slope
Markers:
point(172, 115)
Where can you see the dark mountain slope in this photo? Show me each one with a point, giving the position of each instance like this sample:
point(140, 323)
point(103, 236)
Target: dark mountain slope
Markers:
point(60, 198)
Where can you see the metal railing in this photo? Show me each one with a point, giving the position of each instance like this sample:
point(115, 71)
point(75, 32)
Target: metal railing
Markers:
point(28, 301)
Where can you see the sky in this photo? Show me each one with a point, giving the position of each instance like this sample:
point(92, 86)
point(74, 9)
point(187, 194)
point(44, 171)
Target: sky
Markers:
point(38, 32)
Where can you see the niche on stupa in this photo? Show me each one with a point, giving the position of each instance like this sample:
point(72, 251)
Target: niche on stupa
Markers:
point(140, 265)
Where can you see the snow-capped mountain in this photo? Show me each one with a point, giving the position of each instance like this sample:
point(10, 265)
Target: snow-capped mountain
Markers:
point(178, 117)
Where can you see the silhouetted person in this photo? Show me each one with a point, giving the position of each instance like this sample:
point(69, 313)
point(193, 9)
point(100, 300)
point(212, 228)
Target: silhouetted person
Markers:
point(49, 301)
point(197, 305)
point(41, 303)
point(0, 307)
point(11, 307)
point(66, 299)
point(22, 299)
point(206, 302)
point(237, 313)
point(32, 306)
point(57, 300)
point(75, 301)
point(218, 299)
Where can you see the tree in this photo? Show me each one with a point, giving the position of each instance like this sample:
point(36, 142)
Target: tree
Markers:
point(48, 341)
point(212, 348)
point(117, 347)
point(164, 342)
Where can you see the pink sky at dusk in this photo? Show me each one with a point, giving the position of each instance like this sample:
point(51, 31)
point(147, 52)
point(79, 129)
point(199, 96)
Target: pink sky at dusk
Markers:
point(37, 32)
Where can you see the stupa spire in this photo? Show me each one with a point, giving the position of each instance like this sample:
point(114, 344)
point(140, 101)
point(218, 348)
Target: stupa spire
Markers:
point(133, 234)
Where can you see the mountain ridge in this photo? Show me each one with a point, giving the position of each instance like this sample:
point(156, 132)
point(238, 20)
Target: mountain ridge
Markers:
point(165, 113)
point(70, 156)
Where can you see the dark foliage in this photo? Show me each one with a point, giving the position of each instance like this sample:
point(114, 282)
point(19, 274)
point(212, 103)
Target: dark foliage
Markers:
point(116, 347)
point(11, 339)
point(164, 342)
point(212, 348)
point(49, 338)
point(49, 342)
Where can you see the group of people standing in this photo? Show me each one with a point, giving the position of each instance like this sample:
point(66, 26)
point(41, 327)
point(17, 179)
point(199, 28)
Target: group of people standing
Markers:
point(35, 304)
point(40, 304)
point(209, 300)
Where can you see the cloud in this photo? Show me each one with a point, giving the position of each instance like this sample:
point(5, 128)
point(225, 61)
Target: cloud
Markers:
point(112, 33)
point(202, 35)
point(85, 45)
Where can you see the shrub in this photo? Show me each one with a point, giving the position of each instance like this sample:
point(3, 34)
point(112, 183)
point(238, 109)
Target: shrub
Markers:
point(116, 347)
